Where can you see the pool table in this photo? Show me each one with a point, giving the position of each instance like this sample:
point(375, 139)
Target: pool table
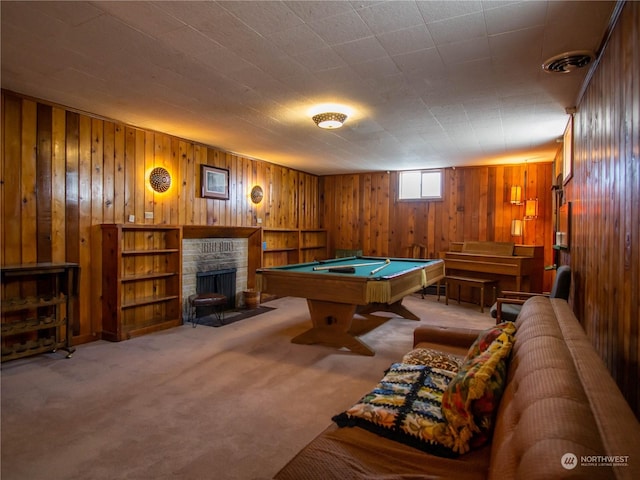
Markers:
point(338, 289)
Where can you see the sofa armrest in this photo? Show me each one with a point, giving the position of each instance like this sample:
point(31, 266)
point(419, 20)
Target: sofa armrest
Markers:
point(510, 297)
point(509, 301)
point(451, 336)
point(522, 295)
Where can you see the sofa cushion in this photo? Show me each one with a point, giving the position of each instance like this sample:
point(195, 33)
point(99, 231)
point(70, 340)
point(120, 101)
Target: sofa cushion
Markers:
point(433, 358)
point(358, 454)
point(406, 406)
point(472, 397)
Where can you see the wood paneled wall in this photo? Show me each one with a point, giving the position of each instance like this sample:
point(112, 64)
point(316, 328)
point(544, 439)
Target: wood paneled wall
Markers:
point(605, 197)
point(361, 211)
point(64, 173)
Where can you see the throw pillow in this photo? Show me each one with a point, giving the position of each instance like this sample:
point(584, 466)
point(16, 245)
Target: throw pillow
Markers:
point(406, 406)
point(486, 338)
point(472, 397)
point(433, 358)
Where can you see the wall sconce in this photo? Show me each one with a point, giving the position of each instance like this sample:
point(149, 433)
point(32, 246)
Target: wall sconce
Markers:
point(516, 195)
point(160, 179)
point(517, 228)
point(329, 120)
point(531, 209)
point(257, 194)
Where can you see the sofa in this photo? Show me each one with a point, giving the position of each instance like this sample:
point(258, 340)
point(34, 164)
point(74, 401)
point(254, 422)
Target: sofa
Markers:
point(560, 415)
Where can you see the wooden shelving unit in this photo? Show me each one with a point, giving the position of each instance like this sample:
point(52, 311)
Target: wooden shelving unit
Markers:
point(280, 247)
point(141, 279)
point(288, 246)
point(313, 245)
point(38, 308)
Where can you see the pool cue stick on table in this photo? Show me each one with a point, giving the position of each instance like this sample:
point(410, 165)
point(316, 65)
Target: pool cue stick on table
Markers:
point(376, 270)
point(350, 265)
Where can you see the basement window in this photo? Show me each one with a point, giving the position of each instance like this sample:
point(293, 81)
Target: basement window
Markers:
point(420, 185)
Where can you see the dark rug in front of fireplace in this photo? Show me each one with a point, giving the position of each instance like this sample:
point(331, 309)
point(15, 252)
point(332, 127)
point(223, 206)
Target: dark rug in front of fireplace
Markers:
point(232, 316)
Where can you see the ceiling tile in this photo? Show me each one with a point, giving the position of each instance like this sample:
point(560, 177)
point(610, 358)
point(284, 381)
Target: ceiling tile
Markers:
point(320, 59)
point(296, 40)
point(310, 11)
point(515, 16)
point(387, 17)
point(361, 50)
point(407, 40)
point(466, 51)
point(142, 16)
point(458, 29)
point(343, 28)
point(421, 61)
point(434, 11)
point(263, 17)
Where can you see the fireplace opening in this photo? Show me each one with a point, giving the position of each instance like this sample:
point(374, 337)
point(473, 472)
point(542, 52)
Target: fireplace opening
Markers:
point(217, 281)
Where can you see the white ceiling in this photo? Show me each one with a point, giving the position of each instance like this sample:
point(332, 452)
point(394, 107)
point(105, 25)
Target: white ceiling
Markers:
point(431, 84)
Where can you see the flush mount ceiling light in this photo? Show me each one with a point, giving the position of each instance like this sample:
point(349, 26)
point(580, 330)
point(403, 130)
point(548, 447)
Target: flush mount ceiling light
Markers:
point(568, 62)
point(329, 120)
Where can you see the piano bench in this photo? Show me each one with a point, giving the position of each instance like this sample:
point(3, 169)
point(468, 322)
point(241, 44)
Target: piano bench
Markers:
point(480, 283)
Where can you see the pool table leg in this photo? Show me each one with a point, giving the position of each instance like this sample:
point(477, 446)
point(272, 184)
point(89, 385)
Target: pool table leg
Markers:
point(395, 307)
point(331, 323)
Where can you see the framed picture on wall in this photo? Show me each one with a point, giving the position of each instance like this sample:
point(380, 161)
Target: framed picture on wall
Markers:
point(567, 152)
point(214, 182)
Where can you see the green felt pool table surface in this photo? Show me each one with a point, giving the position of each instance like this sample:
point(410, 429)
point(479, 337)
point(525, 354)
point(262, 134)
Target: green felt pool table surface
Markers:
point(364, 266)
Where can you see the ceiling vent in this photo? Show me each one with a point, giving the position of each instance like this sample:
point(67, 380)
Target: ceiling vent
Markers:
point(568, 62)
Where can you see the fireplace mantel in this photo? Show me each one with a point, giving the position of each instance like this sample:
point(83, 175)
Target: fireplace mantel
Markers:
point(211, 231)
point(253, 234)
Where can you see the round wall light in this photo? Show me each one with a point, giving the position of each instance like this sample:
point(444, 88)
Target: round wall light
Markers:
point(160, 179)
point(257, 194)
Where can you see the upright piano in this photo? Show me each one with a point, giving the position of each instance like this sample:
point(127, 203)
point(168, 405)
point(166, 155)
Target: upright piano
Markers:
point(515, 267)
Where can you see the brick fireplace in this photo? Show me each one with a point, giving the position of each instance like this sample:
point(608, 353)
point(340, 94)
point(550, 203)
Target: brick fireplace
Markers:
point(201, 255)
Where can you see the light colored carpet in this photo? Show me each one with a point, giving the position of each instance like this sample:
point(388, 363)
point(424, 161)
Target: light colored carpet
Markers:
point(235, 402)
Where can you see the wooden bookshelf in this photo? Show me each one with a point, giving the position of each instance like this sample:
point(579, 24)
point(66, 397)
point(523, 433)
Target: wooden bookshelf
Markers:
point(141, 279)
point(289, 246)
point(313, 245)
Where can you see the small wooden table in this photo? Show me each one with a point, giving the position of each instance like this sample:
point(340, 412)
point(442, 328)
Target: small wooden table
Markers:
point(480, 283)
